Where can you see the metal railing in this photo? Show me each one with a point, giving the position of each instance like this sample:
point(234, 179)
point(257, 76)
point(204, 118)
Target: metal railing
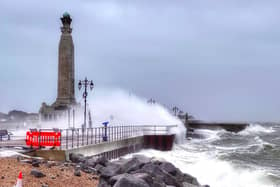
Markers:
point(78, 137)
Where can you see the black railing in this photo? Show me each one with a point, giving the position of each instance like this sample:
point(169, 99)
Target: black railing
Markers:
point(78, 137)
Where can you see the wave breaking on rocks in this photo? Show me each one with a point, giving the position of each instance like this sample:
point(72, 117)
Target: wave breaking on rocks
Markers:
point(138, 171)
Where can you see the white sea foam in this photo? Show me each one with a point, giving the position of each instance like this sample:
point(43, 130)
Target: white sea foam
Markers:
point(256, 129)
point(210, 170)
point(209, 135)
point(261, 144)
point(223, 174)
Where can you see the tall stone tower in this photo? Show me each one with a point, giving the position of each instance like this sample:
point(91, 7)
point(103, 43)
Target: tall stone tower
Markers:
point(66, 77)
point(65, 100)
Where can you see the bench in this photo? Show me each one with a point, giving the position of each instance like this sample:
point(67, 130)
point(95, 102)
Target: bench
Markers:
point(4, 132)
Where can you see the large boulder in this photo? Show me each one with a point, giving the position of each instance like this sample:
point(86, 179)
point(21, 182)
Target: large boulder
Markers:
point(152, 181)
point(186, 184)
point(155, 171)
point(144, 176)
point(157, 160)
point(130, 181)
point(115, 178)
point(157, 183)
point(131, 165)
point(91, 162)
point(142, 159)
point(103, 182)
point(102, 160)
point(187, 178)
point(110, 170)
point(88, 167)
point(169, 168)
point(180, 177)
point(99, 168)
point(77, 158)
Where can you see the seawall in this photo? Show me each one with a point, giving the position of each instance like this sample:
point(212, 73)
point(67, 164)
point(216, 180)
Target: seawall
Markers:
point(228, 126)
point(113, 149)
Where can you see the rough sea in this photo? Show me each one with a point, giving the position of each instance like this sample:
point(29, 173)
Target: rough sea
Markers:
point(250, 158)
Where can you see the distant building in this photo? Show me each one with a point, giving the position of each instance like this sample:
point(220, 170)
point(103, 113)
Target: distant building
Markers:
point(16, 119)
point(65, 101)
point(4, 117)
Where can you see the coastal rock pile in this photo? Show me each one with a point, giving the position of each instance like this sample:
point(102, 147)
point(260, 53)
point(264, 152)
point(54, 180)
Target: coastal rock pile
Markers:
point(138, 171)
point(43, 173)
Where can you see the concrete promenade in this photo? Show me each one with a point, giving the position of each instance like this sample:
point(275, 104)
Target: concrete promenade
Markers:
point(111, 142)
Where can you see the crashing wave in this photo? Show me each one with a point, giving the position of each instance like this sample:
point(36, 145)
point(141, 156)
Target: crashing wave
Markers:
point(256, 129)
point(211, 170)
point(260, 144)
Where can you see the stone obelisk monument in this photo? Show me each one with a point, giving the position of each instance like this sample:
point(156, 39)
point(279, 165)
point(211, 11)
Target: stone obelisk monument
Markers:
point(66, 77)
point(65, 99)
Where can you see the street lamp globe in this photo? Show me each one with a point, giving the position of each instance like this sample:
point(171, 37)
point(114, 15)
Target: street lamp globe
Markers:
point(80, 85)
point(91, 85)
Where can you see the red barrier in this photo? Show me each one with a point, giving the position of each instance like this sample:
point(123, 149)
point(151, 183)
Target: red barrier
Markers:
point(43, 138)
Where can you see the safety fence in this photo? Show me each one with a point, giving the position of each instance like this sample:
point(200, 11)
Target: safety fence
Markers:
point(43, 138)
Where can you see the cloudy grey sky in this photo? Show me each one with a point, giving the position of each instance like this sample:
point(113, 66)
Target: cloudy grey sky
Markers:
point(219, 60)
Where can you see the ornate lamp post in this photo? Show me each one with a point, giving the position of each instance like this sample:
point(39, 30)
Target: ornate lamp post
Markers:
point(85, 83)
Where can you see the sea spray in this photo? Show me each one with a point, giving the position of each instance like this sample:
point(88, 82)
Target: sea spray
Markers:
point(123, 108)
point(256, 129)
point(118, 107)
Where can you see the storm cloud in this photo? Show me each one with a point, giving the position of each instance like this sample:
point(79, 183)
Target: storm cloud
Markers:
point(218, 60)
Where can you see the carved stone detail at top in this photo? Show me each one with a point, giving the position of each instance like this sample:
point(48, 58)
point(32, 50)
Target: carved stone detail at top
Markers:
point(66, 30)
